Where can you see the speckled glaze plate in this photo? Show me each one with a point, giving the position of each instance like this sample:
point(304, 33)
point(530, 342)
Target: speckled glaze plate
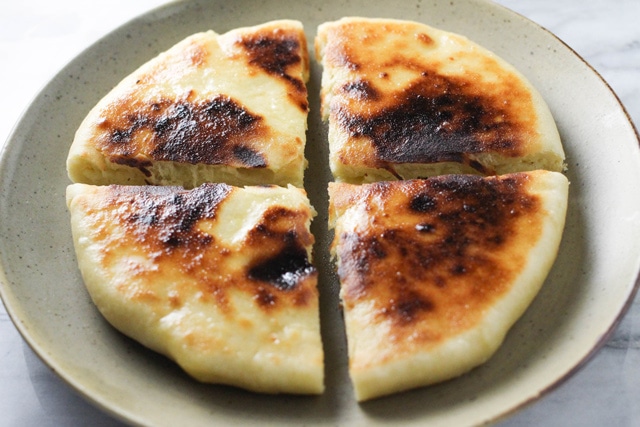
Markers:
point(588, 290)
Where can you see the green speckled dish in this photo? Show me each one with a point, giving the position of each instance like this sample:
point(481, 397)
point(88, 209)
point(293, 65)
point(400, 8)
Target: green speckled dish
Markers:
point(587, 292)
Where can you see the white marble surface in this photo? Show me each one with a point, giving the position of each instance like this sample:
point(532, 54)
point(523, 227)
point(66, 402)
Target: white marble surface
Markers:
point(37, 37)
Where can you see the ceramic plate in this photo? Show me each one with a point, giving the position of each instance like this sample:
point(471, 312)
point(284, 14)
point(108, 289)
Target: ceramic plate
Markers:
point(588, 290)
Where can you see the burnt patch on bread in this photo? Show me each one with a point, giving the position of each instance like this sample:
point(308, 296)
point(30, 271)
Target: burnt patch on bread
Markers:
point(419, 265)
point(409, 307)
point(211, 132)
point(248, 156)
point(164, 219)
point(436, 119)
point(360, 90)
point(285, 269)
point(280, 53)
point(423, 203)
point(284, 263)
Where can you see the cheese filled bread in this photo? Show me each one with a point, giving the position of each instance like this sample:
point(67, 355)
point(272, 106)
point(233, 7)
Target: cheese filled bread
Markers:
point(218, 278)
point(404, 100)
point(213, 108)
point(434, 272)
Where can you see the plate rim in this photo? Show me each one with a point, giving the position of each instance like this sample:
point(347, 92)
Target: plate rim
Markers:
point(14, 308)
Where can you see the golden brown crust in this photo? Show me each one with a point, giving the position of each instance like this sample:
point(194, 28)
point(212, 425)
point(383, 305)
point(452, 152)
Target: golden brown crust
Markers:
point(167, 226)
point(431, 256)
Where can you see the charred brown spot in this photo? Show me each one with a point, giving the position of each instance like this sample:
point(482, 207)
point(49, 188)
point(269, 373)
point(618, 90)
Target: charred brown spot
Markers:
point(276, 52)
point(359, 257)
point(284, 270)
point(423, 203)
point(272, 53)
point(210, 132)
point(249, 157)
point(424, 38)
point(202, 133)
point(360, 90)
point(410, 307)
point(167, 217)
point(438, 119)
point(265, 298)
